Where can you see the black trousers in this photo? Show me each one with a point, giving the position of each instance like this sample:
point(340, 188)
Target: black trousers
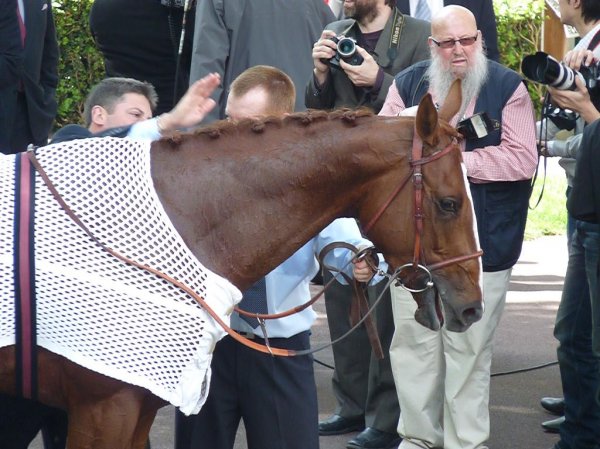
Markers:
point(275, 396)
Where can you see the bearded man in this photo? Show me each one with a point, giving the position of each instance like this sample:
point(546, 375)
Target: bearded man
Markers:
point(442, 378)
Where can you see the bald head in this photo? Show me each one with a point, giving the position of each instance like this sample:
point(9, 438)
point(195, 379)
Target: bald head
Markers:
point(453, 18)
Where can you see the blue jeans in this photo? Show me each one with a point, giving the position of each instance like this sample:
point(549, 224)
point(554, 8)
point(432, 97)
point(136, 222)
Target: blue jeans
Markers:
point(579, 363)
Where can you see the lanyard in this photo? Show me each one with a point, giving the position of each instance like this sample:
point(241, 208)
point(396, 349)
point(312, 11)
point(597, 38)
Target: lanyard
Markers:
point(395, 37)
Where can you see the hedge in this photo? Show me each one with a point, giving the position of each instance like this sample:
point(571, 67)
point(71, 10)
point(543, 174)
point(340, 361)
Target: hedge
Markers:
point(520, 34)
point(81, 66)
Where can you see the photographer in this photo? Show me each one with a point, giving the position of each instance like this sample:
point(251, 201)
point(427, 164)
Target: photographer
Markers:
point(385, 42)
point(579, 363)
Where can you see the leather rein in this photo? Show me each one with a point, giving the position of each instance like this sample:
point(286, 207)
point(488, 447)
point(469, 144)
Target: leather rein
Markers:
point(417, 161)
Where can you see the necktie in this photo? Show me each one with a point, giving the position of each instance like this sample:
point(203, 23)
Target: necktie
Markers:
point(254, 300)
point(21, 26)
point(423, 12)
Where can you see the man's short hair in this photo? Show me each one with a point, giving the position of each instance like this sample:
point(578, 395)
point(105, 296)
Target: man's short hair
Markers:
point(279, 86)
point(391, 3)
point(590, 10)
point(109, 91)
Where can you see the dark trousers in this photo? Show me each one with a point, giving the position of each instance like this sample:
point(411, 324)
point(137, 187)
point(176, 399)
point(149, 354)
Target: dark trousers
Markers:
point(577, 331)
point(362, 384)
point(21, 420)
point(21, 136)
point(275, 396)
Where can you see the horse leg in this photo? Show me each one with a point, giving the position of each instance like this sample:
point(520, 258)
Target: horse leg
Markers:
point(109, 422)
point(148, 413)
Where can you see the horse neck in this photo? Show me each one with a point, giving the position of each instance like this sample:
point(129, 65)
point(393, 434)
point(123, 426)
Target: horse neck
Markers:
point(245, 203)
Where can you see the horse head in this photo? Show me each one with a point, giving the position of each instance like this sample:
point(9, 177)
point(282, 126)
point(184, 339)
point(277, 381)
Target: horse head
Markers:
point(441, 260)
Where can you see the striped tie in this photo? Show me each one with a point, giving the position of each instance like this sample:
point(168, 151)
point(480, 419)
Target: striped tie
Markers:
point(423, 12)
point(255, 301)
point(21, 26)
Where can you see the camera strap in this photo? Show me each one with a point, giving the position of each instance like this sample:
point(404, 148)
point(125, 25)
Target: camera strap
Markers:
point(595, 41)
point(394, 44)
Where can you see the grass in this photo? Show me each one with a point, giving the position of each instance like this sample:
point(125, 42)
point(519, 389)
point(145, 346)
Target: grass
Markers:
point(550, 215)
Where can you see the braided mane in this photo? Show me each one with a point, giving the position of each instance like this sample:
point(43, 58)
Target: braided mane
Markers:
point(303, 119)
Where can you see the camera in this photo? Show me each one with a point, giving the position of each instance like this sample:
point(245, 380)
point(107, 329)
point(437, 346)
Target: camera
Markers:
point(544, 69)
point(477, 126)
point(346, 51)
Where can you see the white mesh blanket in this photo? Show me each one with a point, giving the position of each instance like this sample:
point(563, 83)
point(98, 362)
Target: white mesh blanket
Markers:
point(95, 310)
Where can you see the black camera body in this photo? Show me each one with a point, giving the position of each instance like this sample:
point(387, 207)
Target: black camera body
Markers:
point(346, 51)
point(544, 69)
point(477, 126)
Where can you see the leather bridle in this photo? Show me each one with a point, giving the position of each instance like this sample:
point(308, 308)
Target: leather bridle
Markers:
point(407, 272)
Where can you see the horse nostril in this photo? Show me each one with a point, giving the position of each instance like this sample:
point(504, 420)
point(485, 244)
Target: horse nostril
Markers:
point(471, 314)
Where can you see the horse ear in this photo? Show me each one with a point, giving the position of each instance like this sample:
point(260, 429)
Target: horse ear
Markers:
point(453, 101)
point(427, 120)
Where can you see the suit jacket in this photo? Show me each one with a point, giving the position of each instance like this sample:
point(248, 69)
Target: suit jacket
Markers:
point(11, 64)
point(39, 75)
point(483, 10)
point(233, 35)
point(338, 91)
point(133, 49)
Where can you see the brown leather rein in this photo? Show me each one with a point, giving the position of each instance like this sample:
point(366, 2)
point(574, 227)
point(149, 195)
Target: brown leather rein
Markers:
point(415, 173)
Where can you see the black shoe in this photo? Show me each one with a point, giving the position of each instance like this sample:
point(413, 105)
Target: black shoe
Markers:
point(338, 425)
point(556, 406)
point(553, 425)
point(371, 438)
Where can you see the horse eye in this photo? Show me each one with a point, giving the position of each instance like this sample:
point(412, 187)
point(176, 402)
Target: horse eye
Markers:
point(449, 205)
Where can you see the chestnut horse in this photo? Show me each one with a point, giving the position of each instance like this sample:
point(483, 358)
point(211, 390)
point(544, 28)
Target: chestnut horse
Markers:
point(245, 196)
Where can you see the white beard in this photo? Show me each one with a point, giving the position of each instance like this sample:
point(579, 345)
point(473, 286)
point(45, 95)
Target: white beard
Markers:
point(440, 79)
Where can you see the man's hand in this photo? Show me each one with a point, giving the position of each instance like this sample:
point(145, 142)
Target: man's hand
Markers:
point(576, 100)
point(193, 106)
point(363, 75)
point(576, 58)
point(324, 48)
point(362, 271)
point(543, 148)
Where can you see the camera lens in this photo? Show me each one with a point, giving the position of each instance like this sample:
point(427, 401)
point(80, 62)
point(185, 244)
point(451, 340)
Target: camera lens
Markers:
point(544, 69)
point(346, 47)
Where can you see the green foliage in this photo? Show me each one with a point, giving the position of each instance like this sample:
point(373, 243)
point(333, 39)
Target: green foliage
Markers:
point(520, 34)
point(549, 217)
point(81, 65)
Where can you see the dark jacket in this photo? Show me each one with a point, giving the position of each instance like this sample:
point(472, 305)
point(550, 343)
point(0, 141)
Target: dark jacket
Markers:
point(11, 66)
point(500, 207)
point(339, 91)
point(140, 39)
point(39, 75)
point(583, 202)
point(483, 10)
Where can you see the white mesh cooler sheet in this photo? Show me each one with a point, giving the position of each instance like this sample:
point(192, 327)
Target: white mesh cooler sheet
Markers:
point(95, 310)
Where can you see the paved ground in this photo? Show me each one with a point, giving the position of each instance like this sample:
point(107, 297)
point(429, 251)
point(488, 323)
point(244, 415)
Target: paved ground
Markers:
point(524, 340)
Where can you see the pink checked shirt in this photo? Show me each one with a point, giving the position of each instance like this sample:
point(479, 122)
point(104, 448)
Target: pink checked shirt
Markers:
point(515, 159)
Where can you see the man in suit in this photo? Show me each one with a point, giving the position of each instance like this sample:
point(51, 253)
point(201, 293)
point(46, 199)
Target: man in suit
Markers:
point(388, 42)
point(31, 103)
point(483, 10)
point(11, 61)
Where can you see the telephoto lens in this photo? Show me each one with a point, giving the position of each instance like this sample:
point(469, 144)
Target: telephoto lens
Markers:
point(543, 68)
